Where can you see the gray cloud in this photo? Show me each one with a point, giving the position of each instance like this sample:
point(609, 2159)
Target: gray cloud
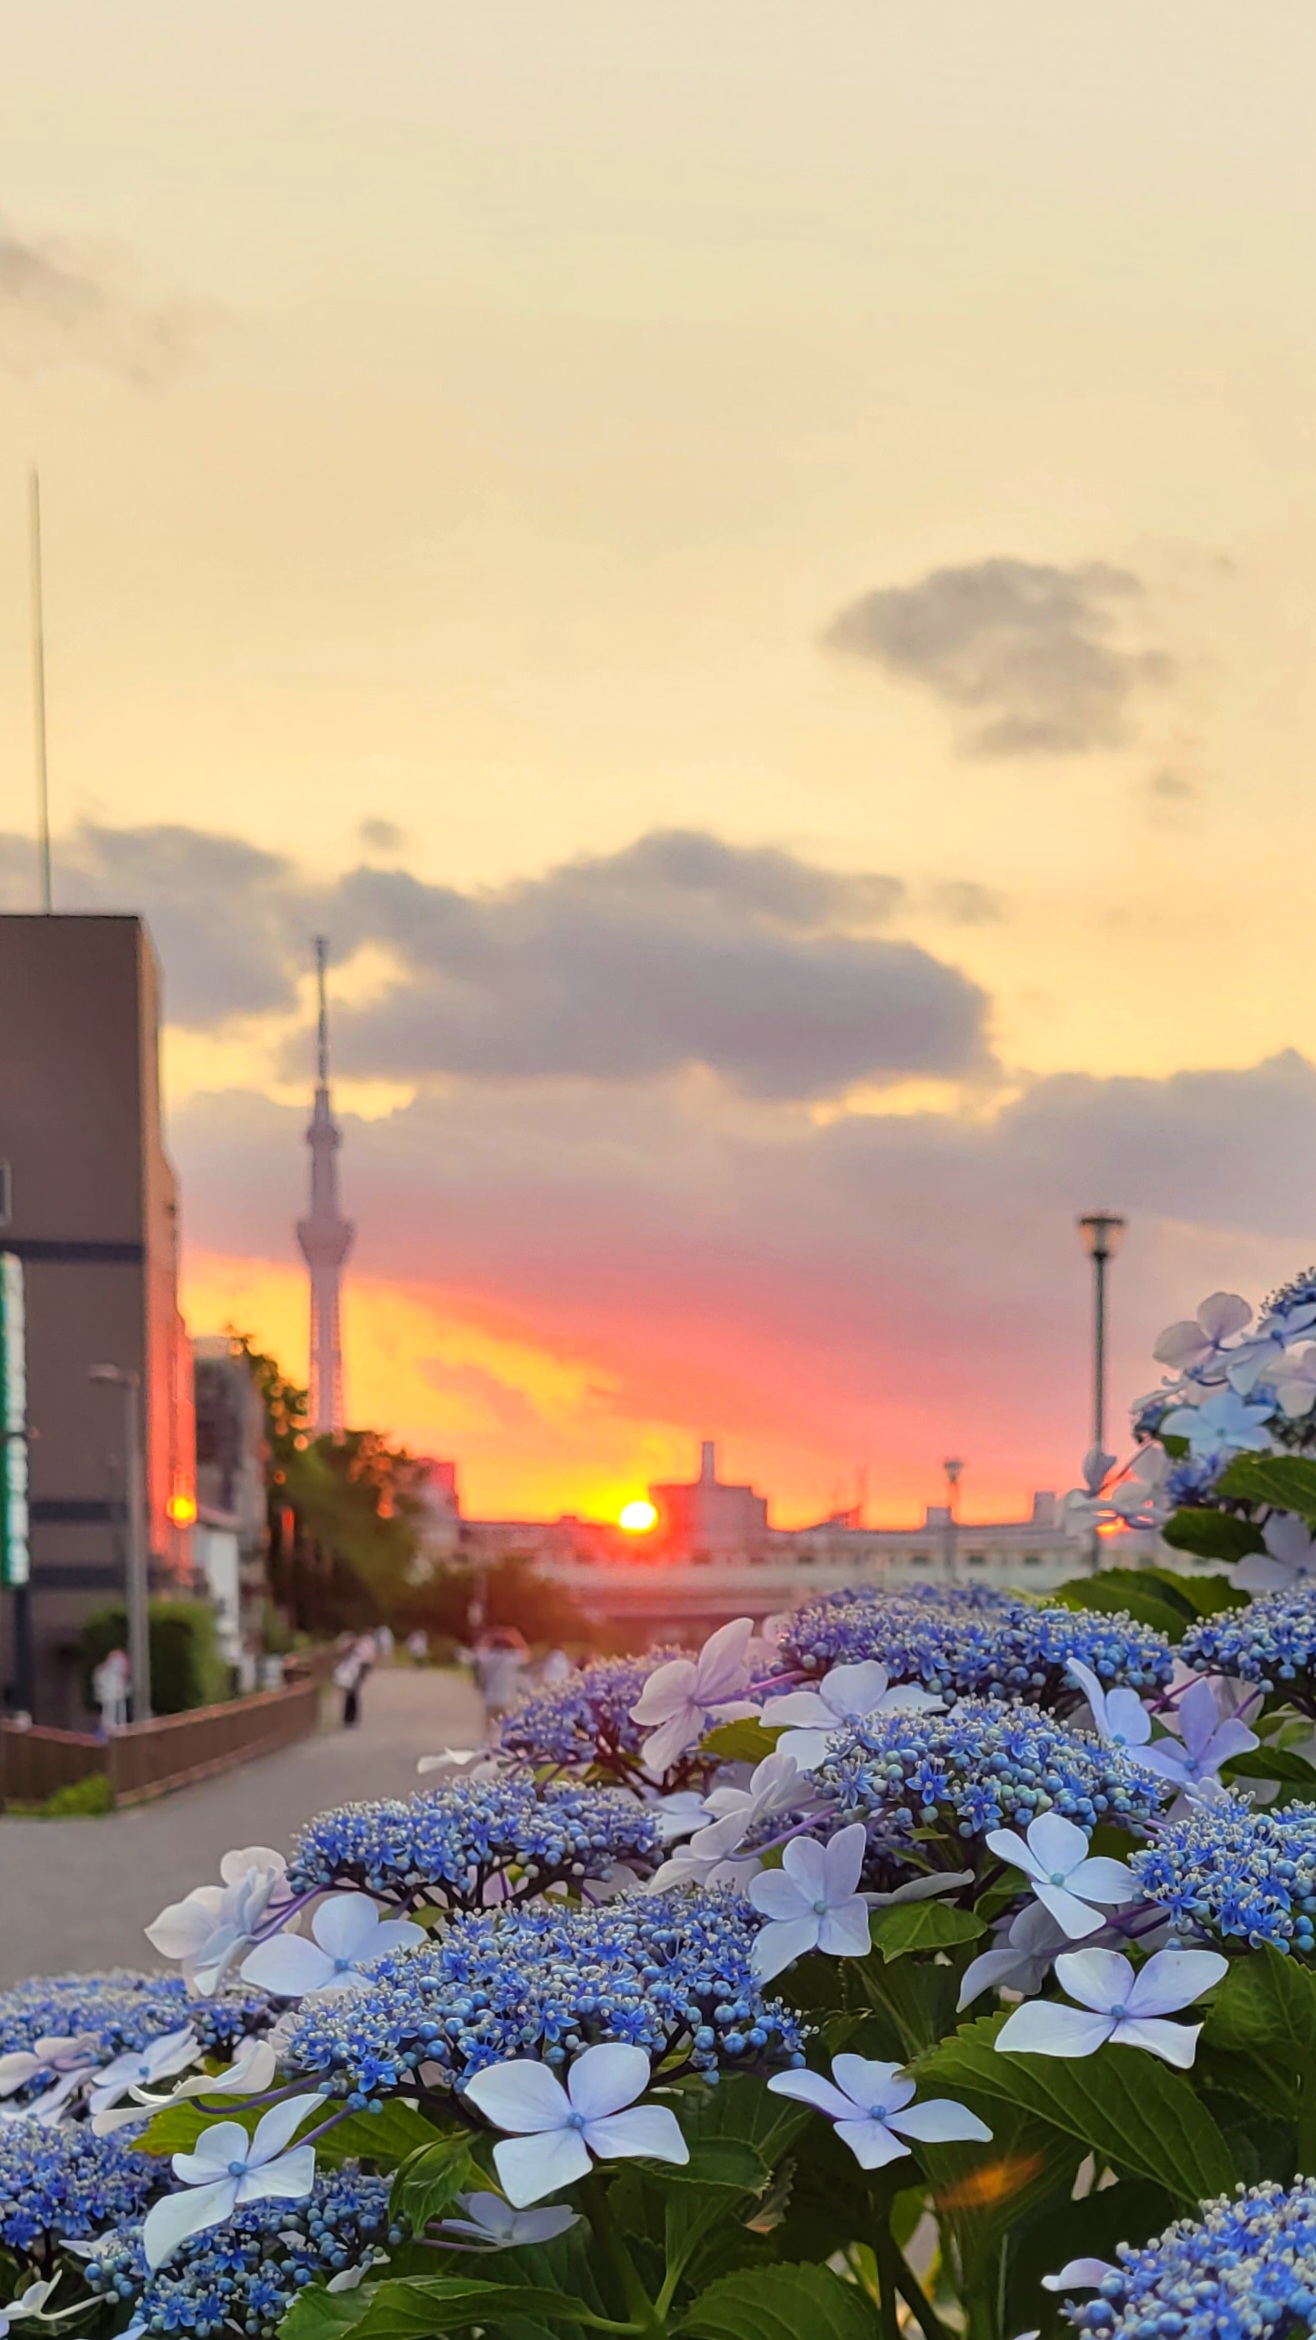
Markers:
point(677, 951)
point(226, 918)
point(1029, 651)
point(61, 304)
point(966, 903)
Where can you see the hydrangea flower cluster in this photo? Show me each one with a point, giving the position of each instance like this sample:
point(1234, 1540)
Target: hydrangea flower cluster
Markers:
point(1272, 1641)
point(670, 1973)
point(1009, 1651)
point(1244, 2270)
point(117, 2011)
point(585, 1724)
point(972, 1770)
point(64, 2184)
point(1236, 1875)
point(246, 2273)
point(449, 1845)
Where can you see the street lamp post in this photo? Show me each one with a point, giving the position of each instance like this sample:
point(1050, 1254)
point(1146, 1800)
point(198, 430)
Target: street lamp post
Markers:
point(1101, 1232)
point(952, 1467)
point(135, 1542)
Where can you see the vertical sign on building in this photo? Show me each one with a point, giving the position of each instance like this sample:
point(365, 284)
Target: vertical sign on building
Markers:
point(14, 1558)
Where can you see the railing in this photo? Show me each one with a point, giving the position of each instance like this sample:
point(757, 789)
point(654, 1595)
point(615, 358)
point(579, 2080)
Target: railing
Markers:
point(148, 1759)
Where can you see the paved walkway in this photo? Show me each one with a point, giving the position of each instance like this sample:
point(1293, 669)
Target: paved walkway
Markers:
point(75, 1894)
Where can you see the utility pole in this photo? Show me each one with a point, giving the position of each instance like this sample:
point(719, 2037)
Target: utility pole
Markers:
point(39, 690)
point(136, 1556)
point(1101, 1232)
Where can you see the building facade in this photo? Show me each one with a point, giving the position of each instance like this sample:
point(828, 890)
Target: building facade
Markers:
point(712, 1555)
point(232, 1527)
point(93, 1218)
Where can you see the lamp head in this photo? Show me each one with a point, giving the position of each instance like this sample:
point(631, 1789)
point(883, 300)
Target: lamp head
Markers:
point(1101, 1232)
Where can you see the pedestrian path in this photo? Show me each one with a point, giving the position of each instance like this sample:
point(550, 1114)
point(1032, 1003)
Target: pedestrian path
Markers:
point(75, 1894)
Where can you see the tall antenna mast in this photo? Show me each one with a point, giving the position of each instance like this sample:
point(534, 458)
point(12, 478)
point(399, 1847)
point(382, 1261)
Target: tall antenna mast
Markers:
point(322, 1028)
point(39, 690)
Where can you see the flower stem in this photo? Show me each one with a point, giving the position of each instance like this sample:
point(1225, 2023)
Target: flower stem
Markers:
point(646, 2317)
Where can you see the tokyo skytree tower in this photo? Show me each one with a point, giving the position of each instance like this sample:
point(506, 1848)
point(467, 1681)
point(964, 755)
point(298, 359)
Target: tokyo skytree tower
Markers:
point(325, 1235)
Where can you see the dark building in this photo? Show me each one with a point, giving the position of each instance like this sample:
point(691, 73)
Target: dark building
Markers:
point(94, 1219)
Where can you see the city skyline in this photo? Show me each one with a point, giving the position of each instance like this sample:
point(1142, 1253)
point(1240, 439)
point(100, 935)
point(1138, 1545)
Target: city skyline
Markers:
point(740, 573)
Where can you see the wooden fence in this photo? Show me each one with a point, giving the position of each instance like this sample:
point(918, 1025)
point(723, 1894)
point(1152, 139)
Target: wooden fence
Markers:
point(148, 1759)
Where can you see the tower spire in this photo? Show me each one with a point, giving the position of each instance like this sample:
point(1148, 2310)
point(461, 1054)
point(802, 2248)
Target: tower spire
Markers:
point(324, 1234)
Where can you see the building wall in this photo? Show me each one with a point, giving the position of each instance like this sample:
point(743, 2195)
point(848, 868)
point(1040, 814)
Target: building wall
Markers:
point(94, 1218)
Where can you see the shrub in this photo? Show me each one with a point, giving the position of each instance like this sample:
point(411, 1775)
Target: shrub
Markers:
point(186, 1666)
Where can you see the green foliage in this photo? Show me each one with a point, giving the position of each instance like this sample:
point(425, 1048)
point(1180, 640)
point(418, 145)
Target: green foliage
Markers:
point(1288, 1481)
point(430, 2178)
point(1213, 1535)
point(82, 1799)
point(1158, 1597)
point(781, 2303)
point(924, 1925)
point(187, 1669)
point(417, 2306)
point(510, 1590)
point(1138, 1592)
point(1126, 2105)
point(740, 1742)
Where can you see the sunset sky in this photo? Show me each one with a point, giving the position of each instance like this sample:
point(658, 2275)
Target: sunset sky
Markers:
point(752, 564)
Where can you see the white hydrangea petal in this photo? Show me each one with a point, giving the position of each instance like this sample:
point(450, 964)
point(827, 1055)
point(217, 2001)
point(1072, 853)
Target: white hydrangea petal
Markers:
point(1040, 2028)
point(645, 2132)
point(1174, 2043)
point(288, 1966)
point(607, 2077)
point(530, 2167)
point(521, 2095)
point(871, 2143)
point(172, 2219)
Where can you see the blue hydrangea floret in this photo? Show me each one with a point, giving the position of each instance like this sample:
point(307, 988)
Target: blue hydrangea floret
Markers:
point(670, 1973)
point(446, 1847)
point(1007, 1651)
point(1244, 2270)
point(1236, 1876)
point(63, 2184)
point(245, 2274)
point(977, 1767)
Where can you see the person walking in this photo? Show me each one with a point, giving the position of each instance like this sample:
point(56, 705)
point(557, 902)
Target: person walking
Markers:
point(350, 1674)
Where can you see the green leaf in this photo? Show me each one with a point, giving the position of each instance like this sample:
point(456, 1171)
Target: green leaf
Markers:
point(745, 1741)
point(414, 2307)
point(1212, 1535)
point(1286, 1480)
point(429, 2179)
point(781, 2303)
point(176, 2129)
point(1271, 1763)
point(1128, 1590)
point(1208, 1594)
point(923, 1925)
point(384, 2139)
point(722, 2162)
point(1259, 2040)
point(1123, 2103)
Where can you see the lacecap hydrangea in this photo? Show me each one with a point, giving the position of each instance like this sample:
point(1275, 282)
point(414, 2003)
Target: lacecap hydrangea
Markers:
point(1271, 1642)
point(245, 2274)
point(448, 1845)
point(1236, 1876)
point(63, 2184)
point(669, 1973)
point(584, 1723)
point(1244, 2270)
point(118, 2010)
point(1008, 1651)
point(979, 1766)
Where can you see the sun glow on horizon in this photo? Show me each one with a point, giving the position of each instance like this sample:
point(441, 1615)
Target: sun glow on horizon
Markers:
point(637, 1518)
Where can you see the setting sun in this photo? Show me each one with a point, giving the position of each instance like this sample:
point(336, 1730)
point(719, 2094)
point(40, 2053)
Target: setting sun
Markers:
point(637, 1518)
